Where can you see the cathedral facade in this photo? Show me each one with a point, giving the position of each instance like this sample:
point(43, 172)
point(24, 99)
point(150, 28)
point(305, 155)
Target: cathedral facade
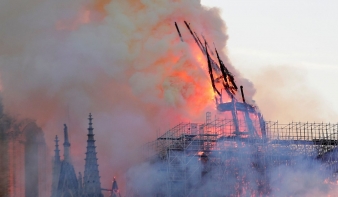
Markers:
point(65, 183)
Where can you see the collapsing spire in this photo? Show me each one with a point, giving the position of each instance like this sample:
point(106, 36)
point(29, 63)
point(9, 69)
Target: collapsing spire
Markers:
point(210, 71)
point(91, 184)
point(228, 78)
point(221, 73)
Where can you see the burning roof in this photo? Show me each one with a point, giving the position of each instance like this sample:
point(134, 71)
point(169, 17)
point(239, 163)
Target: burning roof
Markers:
point(222, 79)
point(219, 74)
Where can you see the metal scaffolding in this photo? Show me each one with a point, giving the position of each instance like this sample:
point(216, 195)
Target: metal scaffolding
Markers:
point(232, 158)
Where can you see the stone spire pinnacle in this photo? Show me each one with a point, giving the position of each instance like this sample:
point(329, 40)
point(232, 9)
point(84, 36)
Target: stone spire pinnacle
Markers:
point(66, 145)
point(91, 179)
point(115, 192)
point(56, 168)
point(57, 151)
point(90, 128)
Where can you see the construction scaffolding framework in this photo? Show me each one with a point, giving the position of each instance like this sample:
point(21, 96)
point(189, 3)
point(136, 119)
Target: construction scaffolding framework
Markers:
point(233, 159)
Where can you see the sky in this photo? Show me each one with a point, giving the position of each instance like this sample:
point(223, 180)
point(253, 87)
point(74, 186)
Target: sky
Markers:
point(293, 42)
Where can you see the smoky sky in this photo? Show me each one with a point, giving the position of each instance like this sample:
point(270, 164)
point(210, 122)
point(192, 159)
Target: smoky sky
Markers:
point(120, 60)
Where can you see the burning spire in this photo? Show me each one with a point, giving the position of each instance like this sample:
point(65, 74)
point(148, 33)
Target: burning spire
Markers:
point(220, 74)
point(224, 76)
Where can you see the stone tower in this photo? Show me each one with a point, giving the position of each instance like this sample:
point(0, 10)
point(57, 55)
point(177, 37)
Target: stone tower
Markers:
point(65, 183)
point(91, 179)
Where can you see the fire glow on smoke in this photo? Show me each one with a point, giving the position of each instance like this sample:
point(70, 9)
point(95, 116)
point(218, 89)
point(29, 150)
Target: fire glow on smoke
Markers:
point(127, 47)
point(121, 60)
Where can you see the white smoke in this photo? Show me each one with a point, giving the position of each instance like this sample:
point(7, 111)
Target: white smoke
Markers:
point(237, 171)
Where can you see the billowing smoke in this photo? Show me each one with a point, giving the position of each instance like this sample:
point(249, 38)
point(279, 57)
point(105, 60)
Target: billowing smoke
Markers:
point(241, 170)
point(120, 60)
point(124, 62)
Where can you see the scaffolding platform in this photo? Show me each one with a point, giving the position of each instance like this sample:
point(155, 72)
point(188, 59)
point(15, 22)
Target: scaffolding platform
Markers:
point(216, 153)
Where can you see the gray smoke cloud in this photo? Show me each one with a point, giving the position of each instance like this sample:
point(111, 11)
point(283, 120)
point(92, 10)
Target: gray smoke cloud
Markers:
point(120, 60)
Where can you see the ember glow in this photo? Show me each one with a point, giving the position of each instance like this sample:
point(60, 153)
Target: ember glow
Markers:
point(105, 47)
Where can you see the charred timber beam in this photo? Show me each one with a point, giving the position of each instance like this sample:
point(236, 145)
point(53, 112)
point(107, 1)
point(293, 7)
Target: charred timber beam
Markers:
point(210, 72)
point(196, 40)
point(178, 31)
point(229, 80)
point(242, 92)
